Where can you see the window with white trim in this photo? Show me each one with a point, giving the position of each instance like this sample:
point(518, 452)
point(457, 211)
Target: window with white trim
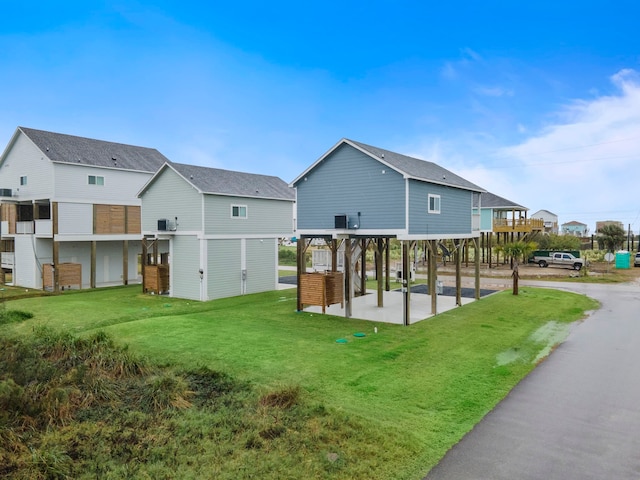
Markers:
point(23, 180)
point(96, 180)
point(238, 211)
point(434, 203)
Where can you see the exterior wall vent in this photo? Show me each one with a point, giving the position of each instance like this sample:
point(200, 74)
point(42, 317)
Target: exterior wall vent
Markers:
point(341, 221)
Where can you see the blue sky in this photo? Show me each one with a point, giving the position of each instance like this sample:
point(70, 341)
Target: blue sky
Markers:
point(538, 103)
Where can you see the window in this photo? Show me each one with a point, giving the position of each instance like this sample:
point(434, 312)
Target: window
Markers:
point(239, 211)
point(434, 203)
point(96, 180)
point(23, 180)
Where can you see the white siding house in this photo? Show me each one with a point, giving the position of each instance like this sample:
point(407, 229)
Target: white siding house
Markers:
point(218, 230)
point(68, 201)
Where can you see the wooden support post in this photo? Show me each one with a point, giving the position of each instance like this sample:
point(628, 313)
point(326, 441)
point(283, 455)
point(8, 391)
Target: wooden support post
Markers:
point(433, 267)
point(406, 283)
point(301, 266)
point(458, 259)
point(477, 268)
point(490, 254)
point(348, 285)
point(387, 266)
point(125, 262)
point(363, 266)
point(379, 252)
point(334, 255)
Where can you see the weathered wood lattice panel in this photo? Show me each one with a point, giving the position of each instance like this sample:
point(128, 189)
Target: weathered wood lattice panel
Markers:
point(69, 274)
point(322, 289)
point(109, 219)
point(133, 219)
point(116, 219)
point(156, 278)
point(10, 215)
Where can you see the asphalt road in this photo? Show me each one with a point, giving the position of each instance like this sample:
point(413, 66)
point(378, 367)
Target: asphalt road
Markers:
point(576, 416)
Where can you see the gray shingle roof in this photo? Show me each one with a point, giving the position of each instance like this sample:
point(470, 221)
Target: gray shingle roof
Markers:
point(490, 200)
point(227, 182)
point(63, 148)
point(418, 169)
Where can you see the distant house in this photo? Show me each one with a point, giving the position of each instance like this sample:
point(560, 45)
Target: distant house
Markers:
point(550, 220)
point(574, 228)
point(214, 232)
point(504, 218)
point(499, 215)
point(69, 211)
point(604, 223)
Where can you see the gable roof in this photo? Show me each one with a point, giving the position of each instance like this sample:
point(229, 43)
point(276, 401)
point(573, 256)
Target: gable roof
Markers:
point(542, 212)
point(491, 200)
point(62, 148)
point(574, 223)
point(409, 167)
point(215, 181)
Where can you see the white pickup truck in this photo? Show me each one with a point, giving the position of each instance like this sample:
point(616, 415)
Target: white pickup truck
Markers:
point(560, 259)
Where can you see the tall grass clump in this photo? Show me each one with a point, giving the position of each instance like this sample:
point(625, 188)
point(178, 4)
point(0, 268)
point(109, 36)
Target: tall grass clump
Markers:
point(85, 407)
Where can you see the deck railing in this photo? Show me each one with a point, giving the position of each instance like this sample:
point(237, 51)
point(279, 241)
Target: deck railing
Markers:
point(517, 225)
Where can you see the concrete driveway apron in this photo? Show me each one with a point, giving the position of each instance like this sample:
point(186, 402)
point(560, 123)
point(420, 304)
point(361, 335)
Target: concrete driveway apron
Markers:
point(576, 416)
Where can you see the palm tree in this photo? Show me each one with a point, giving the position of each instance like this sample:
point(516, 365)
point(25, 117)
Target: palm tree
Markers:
point(518, 250)
point(612, 237)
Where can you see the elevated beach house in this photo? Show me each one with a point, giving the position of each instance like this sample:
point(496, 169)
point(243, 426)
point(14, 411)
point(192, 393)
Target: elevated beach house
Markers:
point(211, 233)
point(357, 196)
point(70, 217)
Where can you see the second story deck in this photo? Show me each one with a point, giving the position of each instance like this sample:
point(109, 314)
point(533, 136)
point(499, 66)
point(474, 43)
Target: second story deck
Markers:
point(523, 225)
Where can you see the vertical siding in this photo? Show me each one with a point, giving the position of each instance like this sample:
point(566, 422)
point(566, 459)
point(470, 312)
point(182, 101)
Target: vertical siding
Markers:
point(120, 186)
point(261, 265)
point(348, 182)
point(264, 217)
point(25, 158)
point(224, 268)
point(185, 265)
point(455, 210)
point(27, 271)
point(168, 197)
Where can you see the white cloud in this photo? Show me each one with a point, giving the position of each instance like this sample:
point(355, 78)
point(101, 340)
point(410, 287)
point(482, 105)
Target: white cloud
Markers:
point(448, 71)
point(581, 166)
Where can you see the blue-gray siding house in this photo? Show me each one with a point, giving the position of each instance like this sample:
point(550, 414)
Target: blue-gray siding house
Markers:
point(358, 189)
point(356, 193)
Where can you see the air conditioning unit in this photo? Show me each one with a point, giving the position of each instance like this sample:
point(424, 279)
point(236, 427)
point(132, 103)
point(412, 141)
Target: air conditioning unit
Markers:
point(5, 192)
point(341, 221)
point(163, 225)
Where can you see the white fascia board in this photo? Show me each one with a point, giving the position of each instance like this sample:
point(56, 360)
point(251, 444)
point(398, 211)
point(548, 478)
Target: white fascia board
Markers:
point(96, 238)
point(440, 236)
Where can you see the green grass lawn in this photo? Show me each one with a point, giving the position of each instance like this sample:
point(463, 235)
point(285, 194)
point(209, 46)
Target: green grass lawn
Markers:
point(396, 400)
